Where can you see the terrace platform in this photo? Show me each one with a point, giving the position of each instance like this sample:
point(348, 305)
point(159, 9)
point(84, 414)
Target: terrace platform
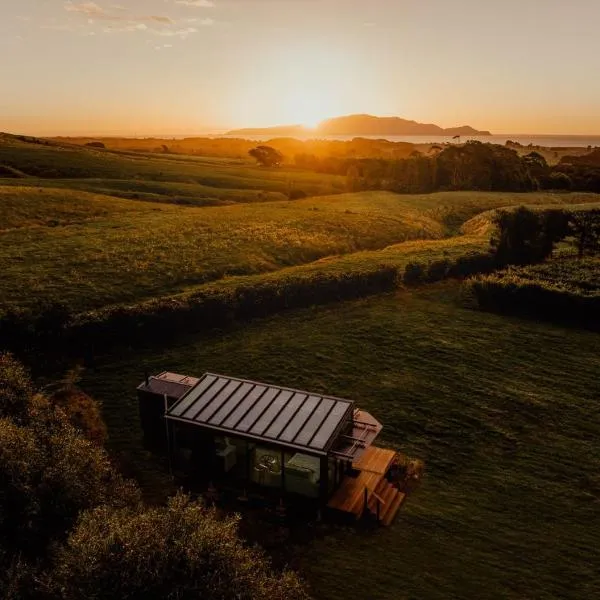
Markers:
point(369, 490)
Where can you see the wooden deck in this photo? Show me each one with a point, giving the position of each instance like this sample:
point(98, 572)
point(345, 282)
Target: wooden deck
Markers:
point(382, 498)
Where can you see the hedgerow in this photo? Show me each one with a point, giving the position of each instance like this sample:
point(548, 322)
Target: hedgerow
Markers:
point(566, 291)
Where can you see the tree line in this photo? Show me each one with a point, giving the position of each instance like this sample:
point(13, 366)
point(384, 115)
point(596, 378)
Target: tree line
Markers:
point(471, 166)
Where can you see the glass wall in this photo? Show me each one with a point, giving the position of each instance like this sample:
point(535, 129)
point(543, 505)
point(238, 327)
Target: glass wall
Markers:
point(302, 474)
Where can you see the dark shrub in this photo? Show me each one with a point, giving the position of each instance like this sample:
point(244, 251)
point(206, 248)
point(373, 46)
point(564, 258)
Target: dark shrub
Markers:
point(437, 270)
point(297, 194)
point(16, 389)
point(182, 551)
point(413, 273)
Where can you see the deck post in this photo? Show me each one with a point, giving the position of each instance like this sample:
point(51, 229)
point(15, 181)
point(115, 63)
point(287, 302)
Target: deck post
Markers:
point(247, 465)
point(366, 499)
point(283, 472)
point(378, 508)
point(323, 479)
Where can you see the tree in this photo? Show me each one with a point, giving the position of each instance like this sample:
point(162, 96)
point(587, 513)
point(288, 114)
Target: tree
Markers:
point(353, 179)
point(48, 474)
point(48, 471)
point(266, 156)
point(181, 551)
point(525, 236)
point(584, 226)
point(537, 166)
point(82, 411)
point(478, 166)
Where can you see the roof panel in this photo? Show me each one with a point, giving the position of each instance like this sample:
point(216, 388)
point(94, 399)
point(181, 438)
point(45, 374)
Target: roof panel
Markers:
point(206, 414)
point(245, 407)
point(278, 415)
point(328, 426)
point(204, 398)
point(284, 417)
point(260, 406)
point(231, 404)
point(269, 415)
point(312, 425)
point(186, 402)
point(300, 418)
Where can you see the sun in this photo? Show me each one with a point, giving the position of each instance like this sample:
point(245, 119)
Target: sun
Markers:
point(307, 108)
point(312, 123)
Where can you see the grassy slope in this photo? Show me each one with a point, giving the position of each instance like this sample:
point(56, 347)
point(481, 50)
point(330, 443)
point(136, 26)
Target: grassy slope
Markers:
point(141, 249)
point(134, 171)
point(503, 411)
point(125, 252)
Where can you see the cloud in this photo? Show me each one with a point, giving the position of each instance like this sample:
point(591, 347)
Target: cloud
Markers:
point(91, 10)
point(166, 20)
point(197, 3)
point(181, 33)
point(126, 28)
point(117, 19)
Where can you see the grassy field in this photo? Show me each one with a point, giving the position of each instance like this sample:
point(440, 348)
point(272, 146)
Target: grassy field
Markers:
point(90, 250)
point(141, 173)
point(503, 411)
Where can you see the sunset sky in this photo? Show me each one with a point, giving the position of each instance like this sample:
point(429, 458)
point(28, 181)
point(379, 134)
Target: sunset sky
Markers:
point(192, 66)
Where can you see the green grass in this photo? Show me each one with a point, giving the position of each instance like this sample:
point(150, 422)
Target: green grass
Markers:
point(53, 248)
point(134, 171)
point(189, 194)
point(503, 411)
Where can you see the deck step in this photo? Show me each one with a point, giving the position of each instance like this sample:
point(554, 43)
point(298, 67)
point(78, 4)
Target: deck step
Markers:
point(386, 492)
point(392, 510)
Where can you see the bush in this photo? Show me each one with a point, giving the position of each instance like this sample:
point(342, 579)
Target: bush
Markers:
point(558, 181)
point(297, 194)
point(181, 551)
point(413, 273)
point(16, 389)
point(83, 413)
point(48, 473)
point(217, 307)
point(473, 263)
point(437, 270)
point(560, 291)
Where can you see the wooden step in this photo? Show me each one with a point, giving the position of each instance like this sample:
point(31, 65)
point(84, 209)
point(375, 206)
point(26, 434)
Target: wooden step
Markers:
point(386, 492)
point(392, 509)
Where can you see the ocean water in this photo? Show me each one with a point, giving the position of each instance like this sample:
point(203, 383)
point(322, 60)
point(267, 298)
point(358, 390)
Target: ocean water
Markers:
point(547, 141)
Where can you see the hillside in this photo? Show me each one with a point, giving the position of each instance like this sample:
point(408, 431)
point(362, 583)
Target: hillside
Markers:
point(90, 250)
point(160, 177)
point(363, 125)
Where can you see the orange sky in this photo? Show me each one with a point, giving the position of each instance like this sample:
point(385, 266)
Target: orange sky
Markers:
point(190, 66)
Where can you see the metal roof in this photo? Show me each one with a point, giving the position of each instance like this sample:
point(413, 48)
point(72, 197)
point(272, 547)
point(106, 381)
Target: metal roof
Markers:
point(171, 384)
point(279, 415)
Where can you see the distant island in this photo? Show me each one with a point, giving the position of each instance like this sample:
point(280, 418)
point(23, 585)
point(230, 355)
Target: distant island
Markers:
point(358, 125)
